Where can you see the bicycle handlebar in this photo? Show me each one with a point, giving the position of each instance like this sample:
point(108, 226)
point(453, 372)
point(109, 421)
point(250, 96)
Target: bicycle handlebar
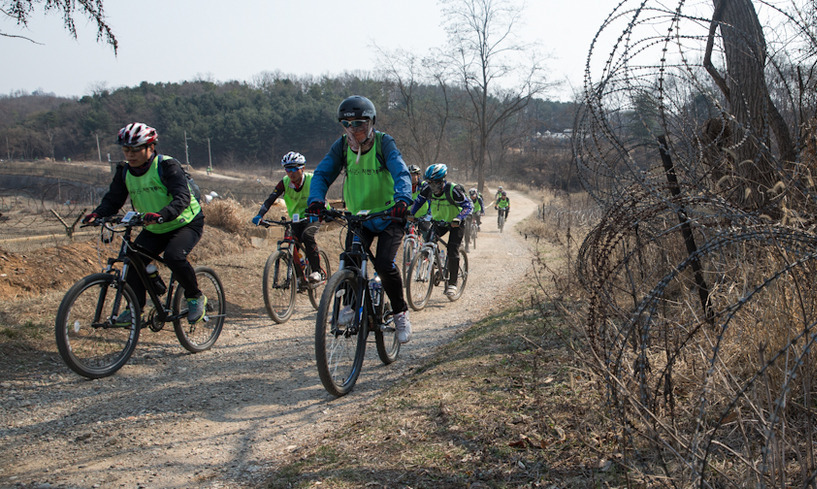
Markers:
point(132, 218)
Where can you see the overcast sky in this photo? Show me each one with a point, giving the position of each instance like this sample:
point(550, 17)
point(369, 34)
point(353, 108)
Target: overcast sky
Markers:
point(178, 40)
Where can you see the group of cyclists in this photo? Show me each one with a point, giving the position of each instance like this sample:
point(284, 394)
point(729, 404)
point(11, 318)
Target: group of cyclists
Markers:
point(376, 179)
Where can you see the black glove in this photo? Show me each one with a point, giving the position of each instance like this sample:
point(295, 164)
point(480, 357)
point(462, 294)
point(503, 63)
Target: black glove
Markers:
point(399, 210)
point(317, 207)
point(90, 218)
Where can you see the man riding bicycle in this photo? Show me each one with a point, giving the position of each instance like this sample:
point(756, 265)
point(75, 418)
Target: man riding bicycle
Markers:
point(503, 206)
point(479, 206)
point(174, 222)
point(447, 202)
point(422, 214)
point(295, 189)
point(377, 179)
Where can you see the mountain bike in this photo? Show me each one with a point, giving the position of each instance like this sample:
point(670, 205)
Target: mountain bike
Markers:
point(411, 244)
point(286, 272)
point(430, 268)
point(352, 306)
point(96, 337)
point(500, 219)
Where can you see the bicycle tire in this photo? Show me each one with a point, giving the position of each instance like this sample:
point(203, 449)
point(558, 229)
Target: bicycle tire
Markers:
point(410, 246)
point(474, 235)
point(279, 285)
point(501, 221)
point(339, 349)
point(462, 277)
point(316, 290)
point(203, 334)
point(385, 337)
point(96, 351)
point(420, 279)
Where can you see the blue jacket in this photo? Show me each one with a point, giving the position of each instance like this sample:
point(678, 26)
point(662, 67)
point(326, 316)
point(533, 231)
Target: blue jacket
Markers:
point(335, 161)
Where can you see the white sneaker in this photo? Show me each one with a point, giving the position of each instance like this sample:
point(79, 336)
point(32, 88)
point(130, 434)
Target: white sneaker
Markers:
point(314, 277)
point(346, 316)
point(451, 290)
point(403, 327)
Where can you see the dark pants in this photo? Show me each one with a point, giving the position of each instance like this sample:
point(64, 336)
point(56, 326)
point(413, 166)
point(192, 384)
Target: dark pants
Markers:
point(388, 242)
point(452, 250)
point(304, 231)
point(176, 245)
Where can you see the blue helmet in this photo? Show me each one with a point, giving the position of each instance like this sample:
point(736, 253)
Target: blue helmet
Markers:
point(437, 171)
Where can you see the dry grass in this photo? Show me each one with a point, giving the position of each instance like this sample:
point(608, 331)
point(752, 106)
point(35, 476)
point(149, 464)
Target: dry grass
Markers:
point(502, 406)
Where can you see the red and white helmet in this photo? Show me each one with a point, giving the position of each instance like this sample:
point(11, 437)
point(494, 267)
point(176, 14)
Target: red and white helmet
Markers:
point(136, 134)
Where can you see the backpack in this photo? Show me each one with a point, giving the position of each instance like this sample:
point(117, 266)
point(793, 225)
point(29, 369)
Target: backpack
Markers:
point(194, 188)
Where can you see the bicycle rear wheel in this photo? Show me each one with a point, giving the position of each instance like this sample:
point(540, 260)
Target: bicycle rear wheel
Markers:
point(340, 333)
point(462, 277)
point(385, 337)
point(203, 334)
point(420, 279)
point(316, 290)
point(279, 285)
point(88, 338)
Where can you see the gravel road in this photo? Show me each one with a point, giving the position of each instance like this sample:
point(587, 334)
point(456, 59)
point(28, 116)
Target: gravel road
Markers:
point(221, 418)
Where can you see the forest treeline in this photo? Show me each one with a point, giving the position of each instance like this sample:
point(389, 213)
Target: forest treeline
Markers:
point(245, 125)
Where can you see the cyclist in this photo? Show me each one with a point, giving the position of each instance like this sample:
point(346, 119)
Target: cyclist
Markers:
point(447, 202)
point(377, 179)
point(157, 187)
point(294, 187)
point(498, 193)
point(479, 206)
point(503, 205)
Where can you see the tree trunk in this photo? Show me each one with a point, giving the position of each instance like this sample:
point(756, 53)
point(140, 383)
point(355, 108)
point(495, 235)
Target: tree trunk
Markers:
point(749, 101)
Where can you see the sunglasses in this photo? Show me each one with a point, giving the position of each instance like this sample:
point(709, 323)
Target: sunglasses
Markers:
point(132, 149)
point(354, 123)
point(292, 169)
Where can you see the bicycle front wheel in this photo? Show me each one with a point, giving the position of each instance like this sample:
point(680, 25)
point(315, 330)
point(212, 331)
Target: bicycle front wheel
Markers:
point(420, 279)
point(462, 277)
point(280, 286)
point(89, 339)
point(340, 333)
point(316, 290)
point(203, 334)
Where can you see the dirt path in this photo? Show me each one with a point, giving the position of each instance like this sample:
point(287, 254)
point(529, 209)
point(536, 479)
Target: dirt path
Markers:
point(220, 418)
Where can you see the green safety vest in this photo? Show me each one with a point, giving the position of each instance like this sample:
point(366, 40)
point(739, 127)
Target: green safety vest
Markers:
point(503, 203)
point(149, 194)
point(423, 210)
point(442, 206)
point(369, 185)
point(477, 207)
point(296, 199)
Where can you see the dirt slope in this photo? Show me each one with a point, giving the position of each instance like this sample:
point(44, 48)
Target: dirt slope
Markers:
point(169, 419)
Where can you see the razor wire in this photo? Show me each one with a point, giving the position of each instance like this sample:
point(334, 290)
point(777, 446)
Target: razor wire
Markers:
point(701, 317)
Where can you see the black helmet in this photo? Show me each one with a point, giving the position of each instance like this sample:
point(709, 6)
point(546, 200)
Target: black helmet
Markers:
point(357, 107)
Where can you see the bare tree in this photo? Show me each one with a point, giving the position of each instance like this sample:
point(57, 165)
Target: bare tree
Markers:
point(421, 97)
point(20, 11)
point(485, 54)
point(748, 97)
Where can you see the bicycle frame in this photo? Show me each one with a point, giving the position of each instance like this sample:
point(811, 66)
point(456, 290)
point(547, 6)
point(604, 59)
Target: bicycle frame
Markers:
point(130, 255)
